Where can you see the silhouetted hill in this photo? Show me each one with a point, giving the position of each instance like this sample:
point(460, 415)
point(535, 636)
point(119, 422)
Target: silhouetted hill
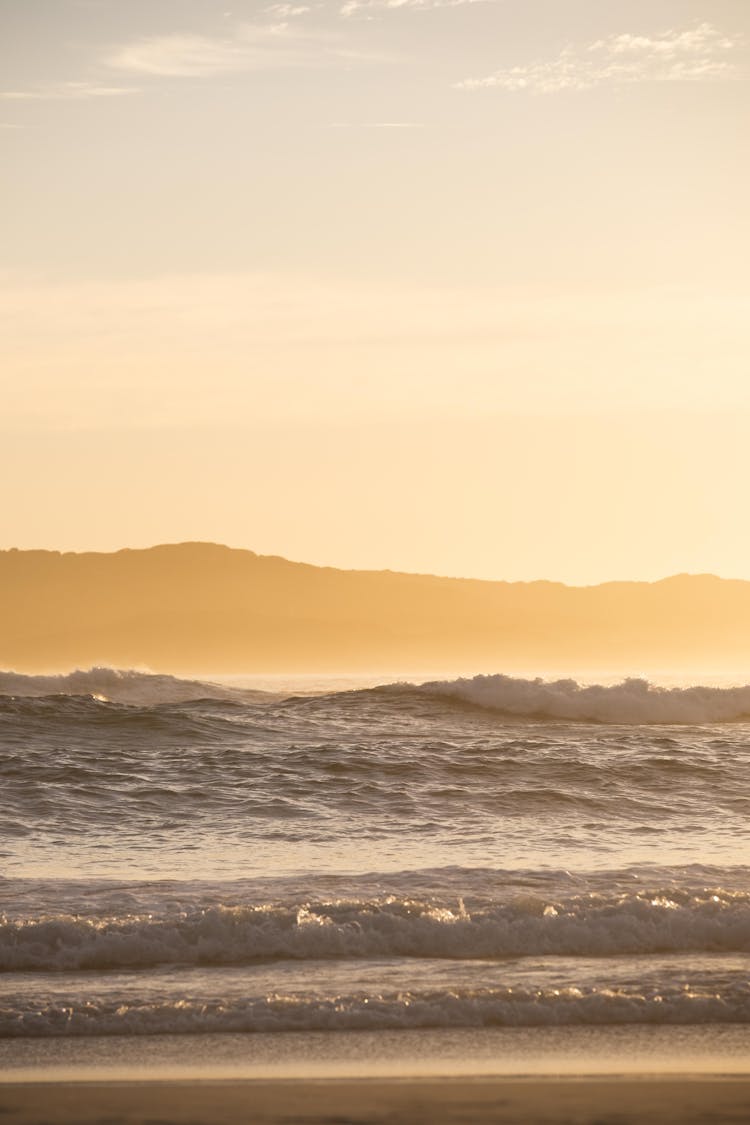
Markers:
point(201, 607)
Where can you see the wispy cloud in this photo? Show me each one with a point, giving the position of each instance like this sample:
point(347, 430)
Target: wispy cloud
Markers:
point(286, 11)
point(68, 91)
point(248, 47)
point(353, 7)
point(700, 53)
point(186, 55)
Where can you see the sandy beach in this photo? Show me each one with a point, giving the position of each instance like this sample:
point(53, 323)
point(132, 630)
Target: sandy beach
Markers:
point(575, 1101)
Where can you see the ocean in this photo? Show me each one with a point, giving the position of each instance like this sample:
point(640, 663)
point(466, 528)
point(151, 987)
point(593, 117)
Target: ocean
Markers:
point(481, 856)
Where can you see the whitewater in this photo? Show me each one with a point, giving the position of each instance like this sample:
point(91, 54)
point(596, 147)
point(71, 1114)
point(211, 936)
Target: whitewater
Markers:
point(182, 857)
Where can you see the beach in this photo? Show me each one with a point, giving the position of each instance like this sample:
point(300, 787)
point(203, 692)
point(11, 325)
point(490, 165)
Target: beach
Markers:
point(574, 1101)
point(558, 1076)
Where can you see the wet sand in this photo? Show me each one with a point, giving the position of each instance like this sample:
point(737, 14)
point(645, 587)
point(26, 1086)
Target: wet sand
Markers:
point(453, 1101)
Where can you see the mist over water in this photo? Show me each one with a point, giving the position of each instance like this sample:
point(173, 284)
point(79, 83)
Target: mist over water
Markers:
point(182, 856)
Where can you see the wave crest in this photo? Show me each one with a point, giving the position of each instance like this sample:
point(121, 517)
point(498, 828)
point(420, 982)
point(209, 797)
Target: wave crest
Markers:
point(581, 925)
point(632, 701)
point(700, 1002)
point(114, 685)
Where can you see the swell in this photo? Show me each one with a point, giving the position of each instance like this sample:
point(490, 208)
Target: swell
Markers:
point(633, 701)
point(592, 924)
point(116, 685)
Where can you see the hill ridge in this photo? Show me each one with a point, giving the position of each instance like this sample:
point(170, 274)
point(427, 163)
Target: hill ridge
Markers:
point(205, 606)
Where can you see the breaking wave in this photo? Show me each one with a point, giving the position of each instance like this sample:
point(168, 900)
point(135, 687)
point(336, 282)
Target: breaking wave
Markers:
point(699, 1002)
point(614, 924)
point(632, 701)
point(117, 686)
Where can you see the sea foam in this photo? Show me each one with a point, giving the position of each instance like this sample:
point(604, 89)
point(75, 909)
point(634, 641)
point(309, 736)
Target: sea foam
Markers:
point(116, 685)
point(438, 1008)
point(581, 925)
point(632, 701)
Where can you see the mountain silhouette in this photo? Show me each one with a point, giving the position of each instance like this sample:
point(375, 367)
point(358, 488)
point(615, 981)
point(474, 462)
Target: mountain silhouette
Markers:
point(203, 607)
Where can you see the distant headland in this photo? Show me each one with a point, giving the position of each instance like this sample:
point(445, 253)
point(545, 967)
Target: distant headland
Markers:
point(191, 607)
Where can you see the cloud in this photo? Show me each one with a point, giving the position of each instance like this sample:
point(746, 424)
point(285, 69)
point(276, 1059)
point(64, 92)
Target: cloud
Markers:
point(352, 7)
point(287, 11)
point(700, 53)
point(184, 55)
point(68, 91)
point(249, 47)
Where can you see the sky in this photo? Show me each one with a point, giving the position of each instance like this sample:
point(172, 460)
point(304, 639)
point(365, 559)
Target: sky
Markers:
point(447, 286)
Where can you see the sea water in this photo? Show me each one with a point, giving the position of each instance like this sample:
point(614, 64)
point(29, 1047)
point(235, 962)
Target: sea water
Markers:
point(478, 857)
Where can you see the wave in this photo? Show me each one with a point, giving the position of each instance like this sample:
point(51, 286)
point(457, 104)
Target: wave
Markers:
point(677, 1003)
point(632, 701)
point(592, 924)
point(119, 686)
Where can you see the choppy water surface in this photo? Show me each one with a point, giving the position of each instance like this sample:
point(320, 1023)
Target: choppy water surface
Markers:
point(185, 857)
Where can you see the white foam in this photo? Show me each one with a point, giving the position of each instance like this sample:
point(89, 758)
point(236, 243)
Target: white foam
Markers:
point(118, 686)
point(632, 701)
point(439, 1008)
point(589, 925)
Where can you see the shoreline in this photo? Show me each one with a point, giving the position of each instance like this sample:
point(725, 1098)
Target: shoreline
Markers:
point(458, 1053)
point(547, 1100)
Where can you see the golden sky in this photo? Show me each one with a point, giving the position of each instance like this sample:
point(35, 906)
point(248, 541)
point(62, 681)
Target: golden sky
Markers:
point(434, 285)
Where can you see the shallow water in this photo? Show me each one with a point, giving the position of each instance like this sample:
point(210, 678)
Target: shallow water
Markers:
point(637, 1049)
